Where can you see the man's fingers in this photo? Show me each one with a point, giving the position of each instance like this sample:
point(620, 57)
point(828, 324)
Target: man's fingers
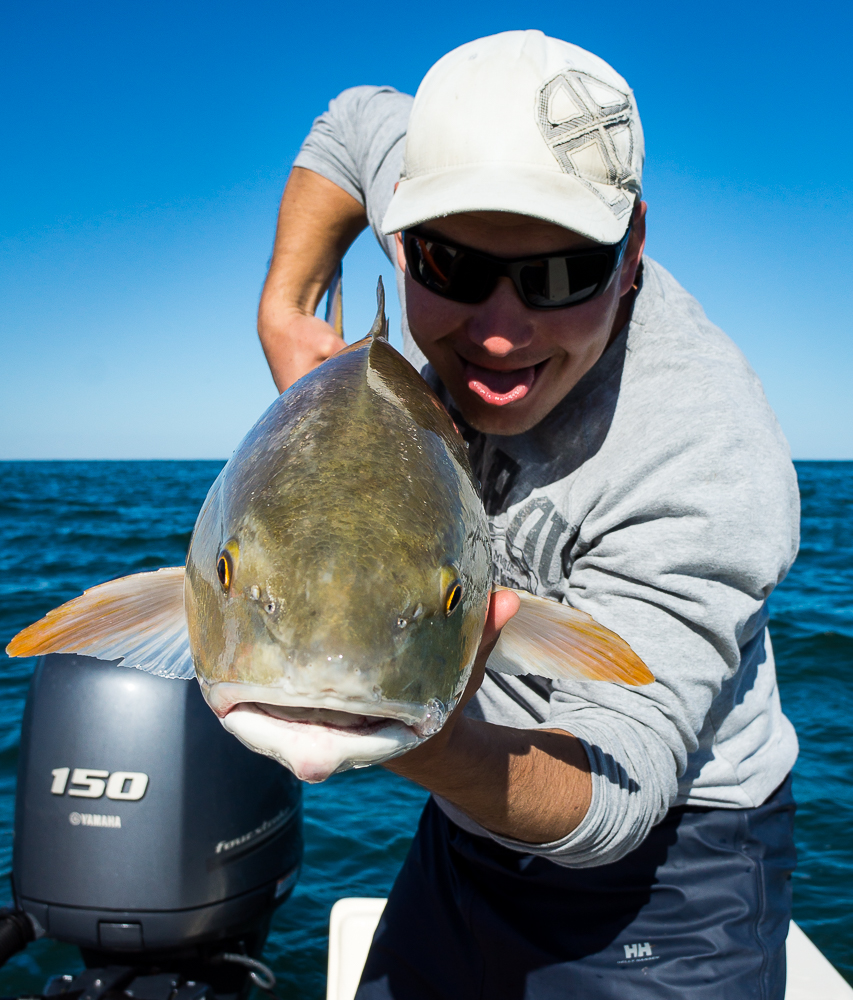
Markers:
point(297, 345)
point(503, 605)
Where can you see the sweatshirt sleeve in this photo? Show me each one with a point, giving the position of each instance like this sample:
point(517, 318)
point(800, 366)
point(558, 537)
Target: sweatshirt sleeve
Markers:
point(687, 518)
point(358, 145)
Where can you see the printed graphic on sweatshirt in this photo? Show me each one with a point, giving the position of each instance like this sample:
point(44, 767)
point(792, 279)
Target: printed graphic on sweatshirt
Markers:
point(528, 538)
point(528, 553)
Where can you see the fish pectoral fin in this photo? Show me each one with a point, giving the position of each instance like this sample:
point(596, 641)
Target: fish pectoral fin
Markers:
point(559, 642)
point(139, 619)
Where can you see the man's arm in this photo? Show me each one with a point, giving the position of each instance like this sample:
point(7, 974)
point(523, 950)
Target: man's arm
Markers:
point(526, 784)
point(317, 223)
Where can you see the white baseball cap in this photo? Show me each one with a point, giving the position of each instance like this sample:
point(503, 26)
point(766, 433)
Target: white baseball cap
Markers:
point(520, 122)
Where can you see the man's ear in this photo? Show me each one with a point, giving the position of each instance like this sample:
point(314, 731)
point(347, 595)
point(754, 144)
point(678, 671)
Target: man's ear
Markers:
point(634, 250)
point(401, 257)
point(398, 238)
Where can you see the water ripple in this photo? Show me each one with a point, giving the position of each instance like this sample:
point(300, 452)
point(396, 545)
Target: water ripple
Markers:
point(74, 524)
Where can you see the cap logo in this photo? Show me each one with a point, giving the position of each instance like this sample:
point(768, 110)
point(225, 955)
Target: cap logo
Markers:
point(588, 126)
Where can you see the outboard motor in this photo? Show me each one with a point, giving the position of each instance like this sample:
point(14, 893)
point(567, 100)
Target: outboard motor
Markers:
point(145, 834)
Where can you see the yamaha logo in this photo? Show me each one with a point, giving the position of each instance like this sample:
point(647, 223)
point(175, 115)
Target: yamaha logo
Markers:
point(95, 819)
point(91, 783)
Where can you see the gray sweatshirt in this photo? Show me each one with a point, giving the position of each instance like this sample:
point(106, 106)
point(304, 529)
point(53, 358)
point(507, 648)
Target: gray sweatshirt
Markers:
point(659, 497)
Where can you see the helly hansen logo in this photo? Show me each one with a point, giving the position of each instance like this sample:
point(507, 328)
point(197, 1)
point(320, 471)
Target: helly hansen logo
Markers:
point(638, 950)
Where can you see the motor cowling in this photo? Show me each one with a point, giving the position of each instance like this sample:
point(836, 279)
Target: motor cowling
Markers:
point(141, 826)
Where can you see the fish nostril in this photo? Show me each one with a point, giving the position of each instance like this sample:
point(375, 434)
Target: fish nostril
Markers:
point(269, 607)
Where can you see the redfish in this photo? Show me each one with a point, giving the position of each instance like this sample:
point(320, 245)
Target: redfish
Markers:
point(337, 581)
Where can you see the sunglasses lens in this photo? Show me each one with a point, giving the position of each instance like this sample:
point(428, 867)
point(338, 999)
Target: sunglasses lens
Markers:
point(451, 272)
point(563, 281)
point(552, 282)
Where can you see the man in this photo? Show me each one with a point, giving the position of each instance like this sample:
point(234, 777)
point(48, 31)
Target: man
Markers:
point(582, 839)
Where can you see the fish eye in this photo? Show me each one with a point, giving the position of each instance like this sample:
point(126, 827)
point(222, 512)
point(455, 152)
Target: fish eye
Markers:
point(451, 588)
point(454, 596)
point(225, 568)
point(226, 561)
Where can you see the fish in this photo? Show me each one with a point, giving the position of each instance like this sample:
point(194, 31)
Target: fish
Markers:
point(337, 580)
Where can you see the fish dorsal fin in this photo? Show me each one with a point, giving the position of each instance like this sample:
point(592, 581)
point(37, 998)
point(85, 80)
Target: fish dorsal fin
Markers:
point(554, 640)
point(138, 618)
point(379, 330)
point(335, 302)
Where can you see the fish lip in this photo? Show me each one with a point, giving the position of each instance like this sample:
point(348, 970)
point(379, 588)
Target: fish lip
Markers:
point(315, 752)
point(374, 725)
point(223, 696)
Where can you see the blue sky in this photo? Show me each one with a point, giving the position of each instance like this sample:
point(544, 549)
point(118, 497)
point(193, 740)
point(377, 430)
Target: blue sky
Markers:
point(145, 146)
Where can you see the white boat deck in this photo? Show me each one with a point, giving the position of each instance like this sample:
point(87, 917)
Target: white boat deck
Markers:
point(353, 921)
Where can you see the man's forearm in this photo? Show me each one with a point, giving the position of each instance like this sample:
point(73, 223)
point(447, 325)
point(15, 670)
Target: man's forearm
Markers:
point(530, 785)
point(317, 222)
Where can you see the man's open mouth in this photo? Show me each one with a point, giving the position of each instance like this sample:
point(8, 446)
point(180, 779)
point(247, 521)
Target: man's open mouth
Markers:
point(498, 388)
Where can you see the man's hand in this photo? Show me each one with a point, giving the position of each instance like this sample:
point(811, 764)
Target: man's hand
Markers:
point(295, 343)
point(529, 784)
point(502, 606)
point(317, 222)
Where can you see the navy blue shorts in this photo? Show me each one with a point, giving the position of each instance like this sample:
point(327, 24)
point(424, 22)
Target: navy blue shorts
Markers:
point(700, 910)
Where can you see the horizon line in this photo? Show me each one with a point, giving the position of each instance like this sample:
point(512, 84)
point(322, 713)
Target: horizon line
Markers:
point(224, 459)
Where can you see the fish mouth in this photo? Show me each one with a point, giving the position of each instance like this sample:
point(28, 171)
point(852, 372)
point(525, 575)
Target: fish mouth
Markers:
point(345, 723)
point(331, 709)
point(320, 734)
point(315, 743)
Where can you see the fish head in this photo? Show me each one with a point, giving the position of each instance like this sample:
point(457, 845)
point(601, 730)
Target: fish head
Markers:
point(339, 573)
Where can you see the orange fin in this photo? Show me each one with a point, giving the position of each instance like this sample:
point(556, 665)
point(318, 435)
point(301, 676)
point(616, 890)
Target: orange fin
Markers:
point(557, 641)
point(139, 619)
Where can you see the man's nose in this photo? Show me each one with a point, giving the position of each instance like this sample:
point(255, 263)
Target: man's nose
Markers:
point(502, 324)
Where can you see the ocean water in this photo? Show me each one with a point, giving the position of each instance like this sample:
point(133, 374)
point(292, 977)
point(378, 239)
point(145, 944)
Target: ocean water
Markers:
point(65, 526)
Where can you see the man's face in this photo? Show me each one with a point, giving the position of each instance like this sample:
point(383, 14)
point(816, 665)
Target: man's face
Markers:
point(507, 366)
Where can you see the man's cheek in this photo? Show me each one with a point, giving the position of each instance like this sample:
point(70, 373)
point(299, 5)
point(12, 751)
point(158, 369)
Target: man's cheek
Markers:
point(430, 317)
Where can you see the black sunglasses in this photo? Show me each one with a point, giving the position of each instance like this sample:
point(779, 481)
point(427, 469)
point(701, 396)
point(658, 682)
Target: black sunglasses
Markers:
point(543, 281)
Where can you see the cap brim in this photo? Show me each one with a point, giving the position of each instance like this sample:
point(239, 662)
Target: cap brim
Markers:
point(541, 194)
